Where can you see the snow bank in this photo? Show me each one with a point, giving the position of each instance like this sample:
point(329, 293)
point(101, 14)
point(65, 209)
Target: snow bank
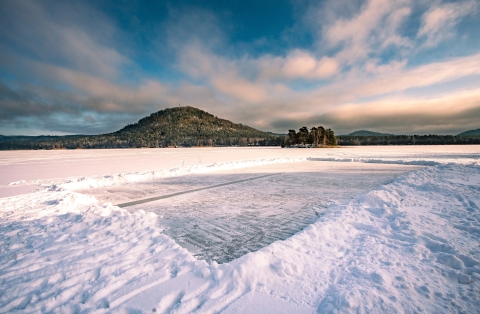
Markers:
point(123, 178)
point(419, 161)
point(71, 254)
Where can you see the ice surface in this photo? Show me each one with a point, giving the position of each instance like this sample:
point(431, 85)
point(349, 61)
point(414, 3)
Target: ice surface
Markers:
point(227, 221)
point(408, 246)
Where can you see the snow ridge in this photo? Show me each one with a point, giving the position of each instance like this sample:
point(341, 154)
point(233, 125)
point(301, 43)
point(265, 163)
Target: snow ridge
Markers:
point(419, 161)
point(123, 178)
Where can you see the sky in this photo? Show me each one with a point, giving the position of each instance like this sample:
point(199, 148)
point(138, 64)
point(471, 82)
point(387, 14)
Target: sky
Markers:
point(91, 67)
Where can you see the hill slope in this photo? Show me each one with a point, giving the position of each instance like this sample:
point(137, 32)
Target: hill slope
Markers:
point(188, 126)
point(181, 126)
point(368, 133)
point(470, 133)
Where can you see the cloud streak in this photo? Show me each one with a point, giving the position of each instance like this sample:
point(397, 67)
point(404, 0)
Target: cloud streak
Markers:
point(374, 28)
point(440, 20)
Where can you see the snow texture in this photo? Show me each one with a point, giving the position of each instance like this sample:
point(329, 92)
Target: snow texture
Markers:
point(411, 245)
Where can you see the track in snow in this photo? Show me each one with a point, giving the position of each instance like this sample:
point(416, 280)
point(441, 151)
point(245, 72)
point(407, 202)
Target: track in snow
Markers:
point(156, 198)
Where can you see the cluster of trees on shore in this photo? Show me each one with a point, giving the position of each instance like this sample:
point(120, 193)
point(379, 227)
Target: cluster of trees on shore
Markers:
point(316, 137)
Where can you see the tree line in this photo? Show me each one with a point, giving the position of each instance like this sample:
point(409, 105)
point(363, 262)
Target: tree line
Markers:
point(129, 141)
point(430, 139)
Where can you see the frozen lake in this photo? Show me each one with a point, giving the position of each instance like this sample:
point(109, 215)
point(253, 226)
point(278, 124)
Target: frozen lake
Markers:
point(223, 215)
point(23, 172)
point(365, 246)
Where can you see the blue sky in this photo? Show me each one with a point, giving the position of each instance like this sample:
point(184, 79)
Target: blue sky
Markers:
point(89, 67)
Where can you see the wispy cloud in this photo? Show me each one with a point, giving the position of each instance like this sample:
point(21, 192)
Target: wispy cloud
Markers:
point(298, 64)
point(395, 77)
point(373, 28)
point(439, 22)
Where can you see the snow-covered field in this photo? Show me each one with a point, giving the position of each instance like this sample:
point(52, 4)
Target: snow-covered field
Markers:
point(385, 229)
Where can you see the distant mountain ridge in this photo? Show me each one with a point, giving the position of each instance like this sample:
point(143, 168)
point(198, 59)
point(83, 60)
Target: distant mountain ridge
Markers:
point(369, 138)
point(368, 133)
point(470, 133)
point(179, 126)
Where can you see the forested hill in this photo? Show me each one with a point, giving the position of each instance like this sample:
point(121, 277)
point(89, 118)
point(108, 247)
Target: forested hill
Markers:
point(188, 126)
point(181, 126)
point(470, 133)
point(368, 133)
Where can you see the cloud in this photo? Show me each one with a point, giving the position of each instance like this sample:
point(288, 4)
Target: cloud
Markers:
point(448, 114)
point(65, 61)
point(253, 80)
point(438, 22)
point(66, 111)
point(396, 78)
point(344, 104)
point(240, 89)
point(298, 64)
point(374, 28)
point(67, 69)
point(228, 91)
point(75, 36)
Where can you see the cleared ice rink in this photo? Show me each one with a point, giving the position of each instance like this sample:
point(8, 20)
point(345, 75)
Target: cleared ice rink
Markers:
point(224, 215)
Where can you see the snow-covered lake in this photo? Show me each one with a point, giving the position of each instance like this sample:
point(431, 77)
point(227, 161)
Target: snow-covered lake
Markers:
point(241, 230)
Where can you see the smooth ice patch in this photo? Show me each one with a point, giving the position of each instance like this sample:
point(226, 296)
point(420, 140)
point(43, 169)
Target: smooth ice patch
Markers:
point(231, 213)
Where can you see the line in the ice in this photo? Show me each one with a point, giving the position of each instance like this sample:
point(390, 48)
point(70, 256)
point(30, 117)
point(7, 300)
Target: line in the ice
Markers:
point(151, 199)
